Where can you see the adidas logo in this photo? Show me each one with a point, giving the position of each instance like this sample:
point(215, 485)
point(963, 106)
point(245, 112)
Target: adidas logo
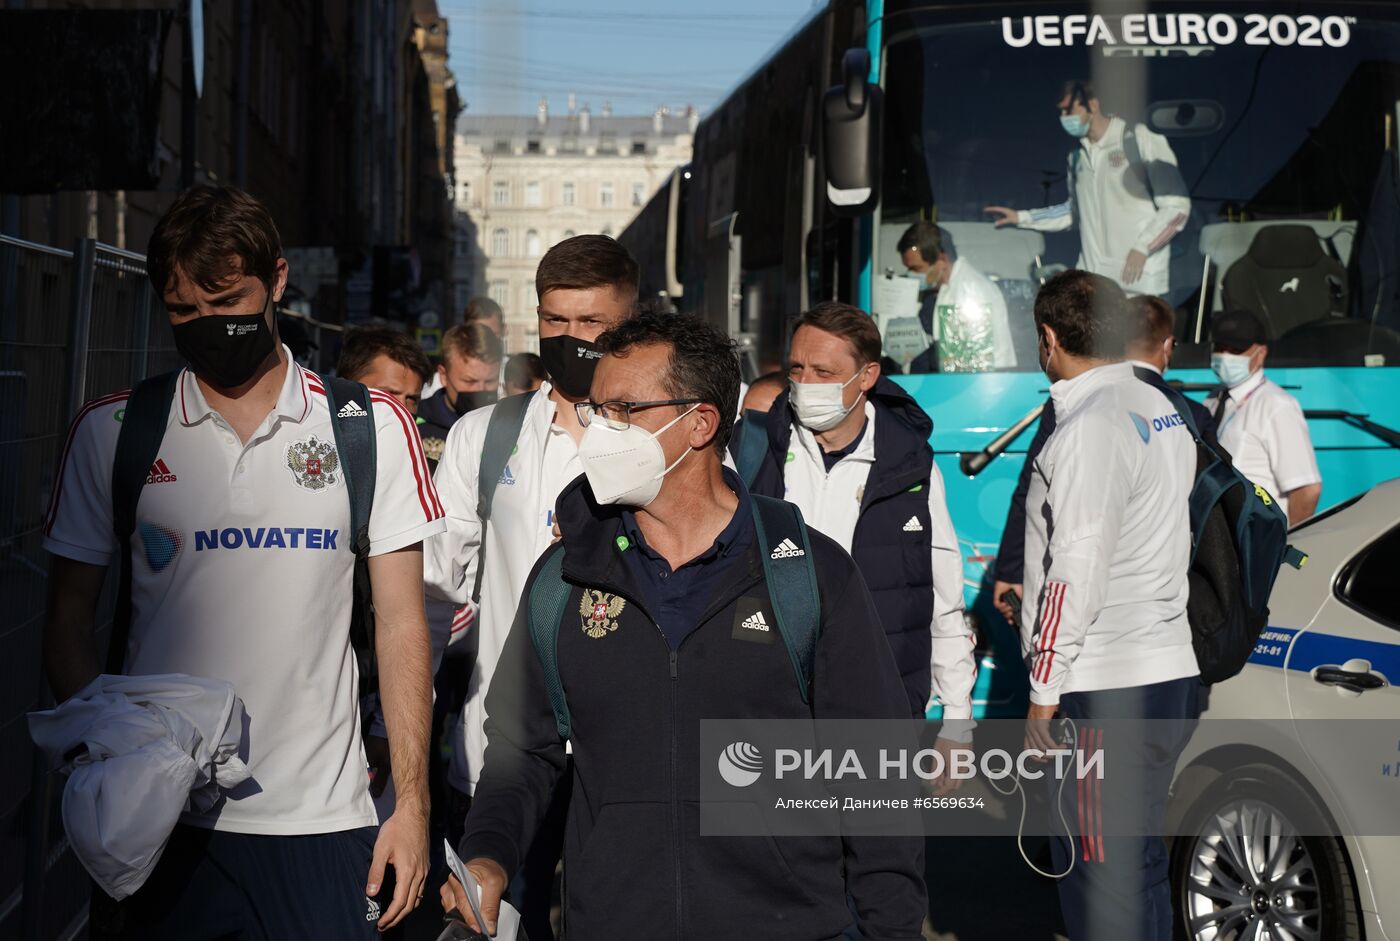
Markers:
point(507, 478)
point(351, 409)
point(787, 549)
point(373, 913)
point(755, 623)
point(160, 474)
point(913, 526)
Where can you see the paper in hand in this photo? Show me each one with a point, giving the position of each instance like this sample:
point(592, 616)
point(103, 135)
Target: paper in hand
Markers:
point(508, 922)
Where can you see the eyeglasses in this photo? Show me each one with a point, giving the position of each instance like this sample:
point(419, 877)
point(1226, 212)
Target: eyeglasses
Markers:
point(618, 415)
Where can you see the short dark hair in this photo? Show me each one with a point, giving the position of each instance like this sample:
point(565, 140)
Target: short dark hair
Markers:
point(588, 261)
point(1077, 89)
point(926, 237)
point(850, 324)
point(363, 345)
point(472, 340)
point(213, 234)
point(703, 365)
point(483, 308)
point(1088, 312)
point(1154, 324)
point(524, 369)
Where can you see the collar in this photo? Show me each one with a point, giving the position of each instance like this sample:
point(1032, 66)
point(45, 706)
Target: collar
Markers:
point(725, 543)
point(1112, 137)
point(1140, 364)
point(865, 449)
point(293, 402)
point(1246, 388)
point(1067, 394)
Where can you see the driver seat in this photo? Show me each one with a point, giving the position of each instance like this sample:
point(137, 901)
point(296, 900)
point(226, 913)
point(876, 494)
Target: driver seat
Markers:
point(1286, 279)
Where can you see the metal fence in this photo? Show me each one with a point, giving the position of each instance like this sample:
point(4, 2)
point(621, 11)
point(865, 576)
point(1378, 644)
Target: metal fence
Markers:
point(73, 325)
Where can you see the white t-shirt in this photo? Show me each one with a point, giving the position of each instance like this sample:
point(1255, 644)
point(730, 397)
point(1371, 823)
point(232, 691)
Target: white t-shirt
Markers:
point(242, 571)
point(1266, 434)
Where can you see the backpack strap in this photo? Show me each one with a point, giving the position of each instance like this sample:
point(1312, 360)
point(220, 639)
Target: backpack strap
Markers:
point(138, 446)
point(788, 568)
point(1133, 151)
point(752, 445)
point(356, 444)
point(502, 433)
point(549, 593)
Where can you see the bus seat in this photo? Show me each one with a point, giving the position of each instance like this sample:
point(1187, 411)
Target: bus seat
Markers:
point(1286, 278)
point(1004, 254)
point(1336, 341)
point(1227, 242)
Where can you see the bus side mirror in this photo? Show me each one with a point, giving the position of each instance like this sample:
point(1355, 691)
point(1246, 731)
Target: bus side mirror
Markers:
point(851, 115)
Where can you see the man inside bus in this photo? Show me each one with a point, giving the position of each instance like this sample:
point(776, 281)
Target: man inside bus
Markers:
point(1126, 195)
point(962, 313)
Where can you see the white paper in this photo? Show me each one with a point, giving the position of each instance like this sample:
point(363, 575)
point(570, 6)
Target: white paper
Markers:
point(508, 923)
point(895, 297)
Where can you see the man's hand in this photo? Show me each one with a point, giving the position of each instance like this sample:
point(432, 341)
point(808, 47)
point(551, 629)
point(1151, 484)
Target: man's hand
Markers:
point(403, 844)
point(1132, 268)
point(999, 590)
point(493, 881)
point(1038, 734)
point(945, 783)
point(1005, 215)
point(377, 757)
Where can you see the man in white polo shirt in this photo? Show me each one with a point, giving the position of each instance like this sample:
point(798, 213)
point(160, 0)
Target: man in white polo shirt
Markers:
point(1261, 425)
point(241, 570)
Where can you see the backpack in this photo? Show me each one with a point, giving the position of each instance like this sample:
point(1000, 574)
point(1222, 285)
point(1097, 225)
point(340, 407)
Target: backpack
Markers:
point(138, 444)
point(749, 445)
point(1239, 541)
point(792, 585)
point(502, 432)
point(1136, 165)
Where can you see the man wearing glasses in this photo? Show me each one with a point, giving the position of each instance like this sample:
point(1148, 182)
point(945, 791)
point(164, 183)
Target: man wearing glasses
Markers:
point(668, 621)
point(586, 285)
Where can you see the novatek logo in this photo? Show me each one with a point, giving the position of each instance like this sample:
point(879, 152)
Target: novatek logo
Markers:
point(755, 623)
point(160, 473)
point(740, 764)
point(351, 409)
point(265, 537)
point(787, 549)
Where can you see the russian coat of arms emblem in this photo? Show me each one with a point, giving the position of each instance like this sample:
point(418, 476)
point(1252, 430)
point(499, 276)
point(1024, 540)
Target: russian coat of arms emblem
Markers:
point(600, 612)
point(314, 464)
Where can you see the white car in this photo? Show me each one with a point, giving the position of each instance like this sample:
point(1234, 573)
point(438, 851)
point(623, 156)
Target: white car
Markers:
point(1246, 864)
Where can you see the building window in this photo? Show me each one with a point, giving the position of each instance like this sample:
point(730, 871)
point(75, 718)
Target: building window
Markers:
point(532, 244)
point(569, 145)
point(466, 193)
point(567, 194)
point(500, 193)
point(502, 146)
point(639, 193)
point(532, 193)
point(461, 294)
point(532, 146)
point(500, 243)
point(639, 147)
point(500, 293)
point(605, 195)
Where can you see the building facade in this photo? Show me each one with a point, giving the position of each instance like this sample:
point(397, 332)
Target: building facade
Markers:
point(527, 182)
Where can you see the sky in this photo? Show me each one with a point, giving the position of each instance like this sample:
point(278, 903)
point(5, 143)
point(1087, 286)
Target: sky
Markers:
point(636, 54)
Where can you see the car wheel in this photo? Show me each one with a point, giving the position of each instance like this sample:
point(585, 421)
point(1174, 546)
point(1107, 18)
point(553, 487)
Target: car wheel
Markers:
point(1241, 870)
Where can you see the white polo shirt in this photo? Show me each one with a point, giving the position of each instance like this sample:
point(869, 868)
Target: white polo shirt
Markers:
point(242, 571)
point(1264, 430)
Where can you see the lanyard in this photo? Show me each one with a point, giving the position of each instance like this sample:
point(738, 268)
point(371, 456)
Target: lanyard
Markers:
point(1226, 419)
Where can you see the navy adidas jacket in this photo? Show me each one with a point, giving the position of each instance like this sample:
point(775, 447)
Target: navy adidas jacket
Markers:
point(897, 569)
point(637, 864)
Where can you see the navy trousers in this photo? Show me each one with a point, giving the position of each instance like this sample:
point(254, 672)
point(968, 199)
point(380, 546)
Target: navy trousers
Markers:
point(1119, 885)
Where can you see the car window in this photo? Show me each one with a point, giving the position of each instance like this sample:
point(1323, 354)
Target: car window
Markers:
point(1368, 582)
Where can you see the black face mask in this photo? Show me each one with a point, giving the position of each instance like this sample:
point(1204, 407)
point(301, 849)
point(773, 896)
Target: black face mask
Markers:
point(225, 349)
point(570, 363)
point(466, 401)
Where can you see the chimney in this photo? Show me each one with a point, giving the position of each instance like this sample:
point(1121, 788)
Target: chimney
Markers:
point(658, 120)
point(583, 117)
point(607, 109)
point(542, 112)
point(573, 104)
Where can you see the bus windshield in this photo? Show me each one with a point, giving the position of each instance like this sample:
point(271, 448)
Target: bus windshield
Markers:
point(1220, 159)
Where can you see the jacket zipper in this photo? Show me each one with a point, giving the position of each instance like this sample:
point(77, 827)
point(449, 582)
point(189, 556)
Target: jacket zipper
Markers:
point(675, 797)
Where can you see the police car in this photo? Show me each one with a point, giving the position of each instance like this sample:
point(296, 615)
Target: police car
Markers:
point(1266, 807)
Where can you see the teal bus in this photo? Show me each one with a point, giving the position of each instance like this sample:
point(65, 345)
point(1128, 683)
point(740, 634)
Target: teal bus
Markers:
point(867, 118)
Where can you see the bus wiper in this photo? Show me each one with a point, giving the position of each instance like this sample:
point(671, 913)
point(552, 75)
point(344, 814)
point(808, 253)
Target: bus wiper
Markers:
point(1389, 435)
point(973, 463)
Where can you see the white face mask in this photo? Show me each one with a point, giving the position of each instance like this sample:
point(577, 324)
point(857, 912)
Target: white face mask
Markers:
point(1230, 368)
point(819, 405)
point(625, 466)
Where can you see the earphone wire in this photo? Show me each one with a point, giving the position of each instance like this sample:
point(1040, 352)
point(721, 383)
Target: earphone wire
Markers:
point(1059, 809)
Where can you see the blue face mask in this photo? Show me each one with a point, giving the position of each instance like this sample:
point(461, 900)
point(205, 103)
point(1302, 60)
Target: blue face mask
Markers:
point(1075, 125)
point(1230, 368)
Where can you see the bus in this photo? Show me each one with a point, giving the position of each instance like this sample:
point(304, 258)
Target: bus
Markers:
point(870, 117)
